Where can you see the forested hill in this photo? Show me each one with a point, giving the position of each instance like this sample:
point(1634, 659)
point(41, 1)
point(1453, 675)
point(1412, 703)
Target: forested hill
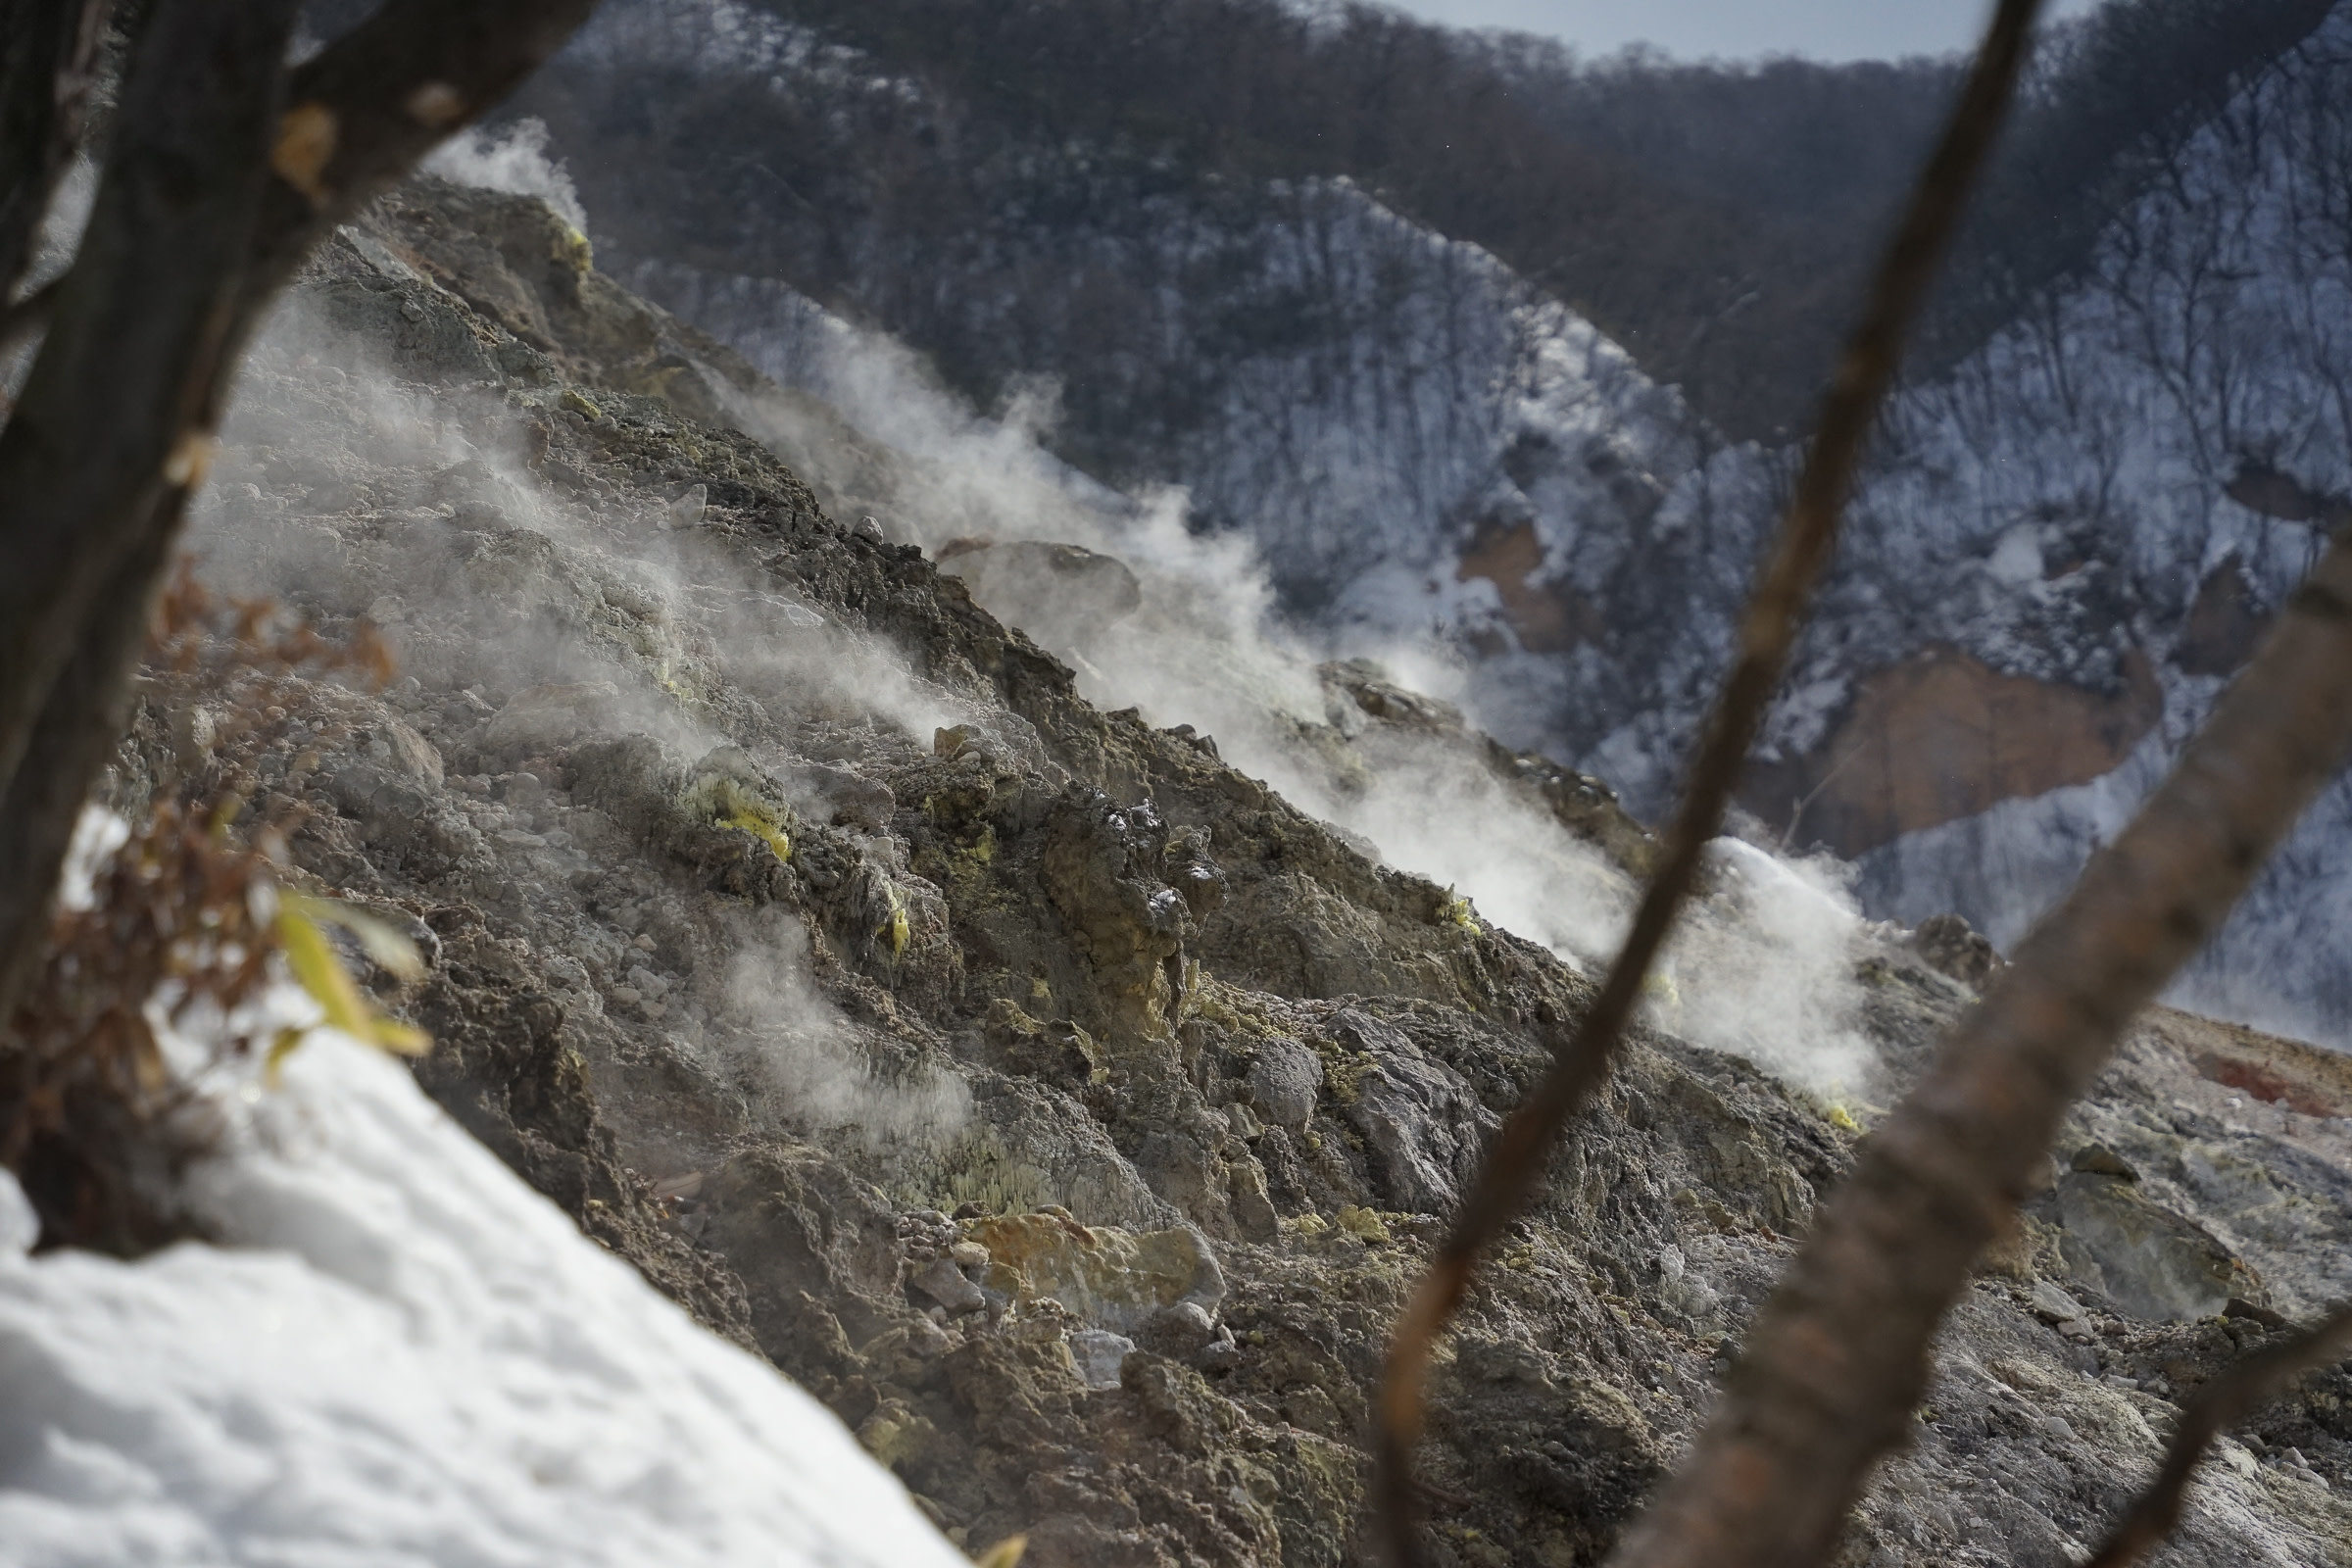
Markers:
point(1713, 220)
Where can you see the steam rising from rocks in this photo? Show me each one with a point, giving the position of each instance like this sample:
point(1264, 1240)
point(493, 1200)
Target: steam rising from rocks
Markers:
point(352, 493)
point(665, 626)
point(1764, 969)
point(513, 160)
point(790, 1044)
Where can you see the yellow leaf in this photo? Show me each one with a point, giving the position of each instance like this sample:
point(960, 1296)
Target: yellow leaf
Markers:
point(190, 459)
point(384, 941)
point(273, 1065)
point(319, 970)
point(1006, 1553)
point(400, 1039)
point(306, 144)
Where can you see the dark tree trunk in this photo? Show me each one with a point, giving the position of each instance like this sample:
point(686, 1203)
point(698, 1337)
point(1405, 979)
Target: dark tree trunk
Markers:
point(48, 59)
point(112, 430)
point(224, 169)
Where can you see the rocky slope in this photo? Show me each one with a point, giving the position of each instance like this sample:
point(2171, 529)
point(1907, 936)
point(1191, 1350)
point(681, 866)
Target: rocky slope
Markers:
point(2053, 568)
point(1059, 1103)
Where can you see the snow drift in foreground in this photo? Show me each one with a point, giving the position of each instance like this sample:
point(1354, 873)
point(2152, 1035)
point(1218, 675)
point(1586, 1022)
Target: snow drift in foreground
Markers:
point(400, 1356)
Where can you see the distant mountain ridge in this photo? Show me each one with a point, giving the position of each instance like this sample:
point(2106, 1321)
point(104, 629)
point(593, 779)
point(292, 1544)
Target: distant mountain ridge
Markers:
point(1718, 222)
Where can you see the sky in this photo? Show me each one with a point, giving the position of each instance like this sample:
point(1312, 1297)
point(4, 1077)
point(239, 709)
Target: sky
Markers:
point(1824, 29)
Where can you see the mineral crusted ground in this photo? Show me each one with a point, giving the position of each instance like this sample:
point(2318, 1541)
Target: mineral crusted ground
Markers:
point(1057, 1102)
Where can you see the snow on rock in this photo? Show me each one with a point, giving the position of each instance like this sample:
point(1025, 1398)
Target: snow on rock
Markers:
point(2087, 458)
point(399, 1356)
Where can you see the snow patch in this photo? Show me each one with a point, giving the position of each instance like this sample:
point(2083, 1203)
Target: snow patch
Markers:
point(398, 1354)
point(2017, 560)
point(97, 834)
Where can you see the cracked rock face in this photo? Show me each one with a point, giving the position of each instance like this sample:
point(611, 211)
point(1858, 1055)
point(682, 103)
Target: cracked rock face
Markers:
point(1058, 1104)
point(1106, 1277)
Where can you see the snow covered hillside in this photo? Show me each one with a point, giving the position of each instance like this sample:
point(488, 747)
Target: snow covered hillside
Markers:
point(2092, 503)
point(398, 1353)
point(2045, 578)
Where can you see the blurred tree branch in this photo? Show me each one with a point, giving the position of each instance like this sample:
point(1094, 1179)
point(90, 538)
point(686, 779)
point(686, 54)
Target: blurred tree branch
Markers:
point(374, 103)
point(112, 429)
point(1516, 1160)
point(2223, 1403)
point(224, 169)
point(1838, 1358)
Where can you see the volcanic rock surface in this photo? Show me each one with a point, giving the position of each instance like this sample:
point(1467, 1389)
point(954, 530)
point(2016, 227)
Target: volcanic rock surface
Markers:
point(1061, 1106)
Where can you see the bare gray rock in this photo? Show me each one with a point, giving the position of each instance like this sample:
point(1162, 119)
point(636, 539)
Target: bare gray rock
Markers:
point(945, 1283)
point(1285, 1079)
point(1062, 595)
point(2149, 1261)
point(542, 719)
point(1098, 1355)
point(1425, 1127)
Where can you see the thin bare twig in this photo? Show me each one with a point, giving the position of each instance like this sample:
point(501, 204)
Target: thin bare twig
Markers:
point(2220, 1405)
point(1524, 1143)
point(1805, 801)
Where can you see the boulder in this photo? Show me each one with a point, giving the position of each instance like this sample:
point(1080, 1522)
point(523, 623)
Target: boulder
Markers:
point(1423, 1126)
point(1099, 1354)
point(2149, 1262)
point(2100, 1161)
point(1951, 946)
point(2053, 1305)
point(1284, 1082)
point(544, 718)
point(945, 1283)
point(1063, 596)
point(395, 744)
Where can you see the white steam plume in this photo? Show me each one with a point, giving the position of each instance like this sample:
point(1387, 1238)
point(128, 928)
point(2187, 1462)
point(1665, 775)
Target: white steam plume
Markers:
point(337, 490)
point(514, 160)
point(1765, 969)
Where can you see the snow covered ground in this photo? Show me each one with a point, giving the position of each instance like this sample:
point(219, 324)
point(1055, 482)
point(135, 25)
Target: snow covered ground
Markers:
point(399, 1356)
